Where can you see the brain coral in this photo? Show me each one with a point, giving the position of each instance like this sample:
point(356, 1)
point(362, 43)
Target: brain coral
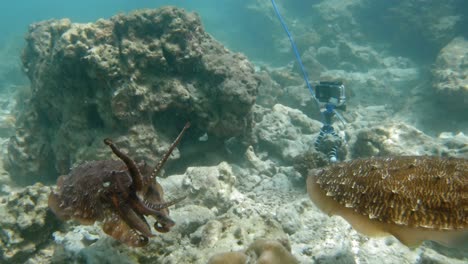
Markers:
point(149, 71)
point(414, 198)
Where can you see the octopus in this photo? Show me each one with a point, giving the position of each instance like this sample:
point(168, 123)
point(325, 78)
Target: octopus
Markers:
point(414, 198)
point(117, 193)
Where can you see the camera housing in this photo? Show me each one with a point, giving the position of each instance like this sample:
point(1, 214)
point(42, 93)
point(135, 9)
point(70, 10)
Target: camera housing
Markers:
point(331, 92)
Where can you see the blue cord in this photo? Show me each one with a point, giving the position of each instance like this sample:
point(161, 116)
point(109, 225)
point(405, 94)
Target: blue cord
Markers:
point(327, 128)
point(296, 52)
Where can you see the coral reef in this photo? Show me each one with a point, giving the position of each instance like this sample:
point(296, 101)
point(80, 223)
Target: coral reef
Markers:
point(257, 201)
point(387, 141)
point(211, 187)
point(260, 251)
point(414, 198)
point(137, 78)
point(110, 191)
point(285, 132)
point(26, 224)
point(117, 76)
point(398, 138)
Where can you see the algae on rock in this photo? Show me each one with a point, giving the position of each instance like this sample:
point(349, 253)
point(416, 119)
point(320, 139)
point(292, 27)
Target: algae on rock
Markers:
point(154, 69)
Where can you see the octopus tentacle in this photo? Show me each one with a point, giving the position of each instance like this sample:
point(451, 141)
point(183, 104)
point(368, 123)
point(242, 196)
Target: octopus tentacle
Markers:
point(143, 209)
point(161, 163)
point(131, 165)
point(132, 218)
point(163, 223)
point(114, 226)
point(160, 206)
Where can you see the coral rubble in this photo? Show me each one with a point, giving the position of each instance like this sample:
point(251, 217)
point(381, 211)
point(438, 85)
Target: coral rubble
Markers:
point(26, 224)
point(260, 251)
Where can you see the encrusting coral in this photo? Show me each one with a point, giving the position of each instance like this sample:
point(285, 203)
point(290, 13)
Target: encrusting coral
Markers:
point(119, 76)
point(119, 193)
point(26, 224)
point(413, 198)
point(261, 251)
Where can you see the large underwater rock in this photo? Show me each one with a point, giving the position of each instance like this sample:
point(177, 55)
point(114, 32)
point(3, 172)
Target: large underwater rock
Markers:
point(136, 78)
point(377, 132)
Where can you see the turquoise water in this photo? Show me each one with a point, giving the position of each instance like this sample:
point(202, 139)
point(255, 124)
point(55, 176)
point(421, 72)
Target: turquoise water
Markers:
point(397, 70)
point(228, 20)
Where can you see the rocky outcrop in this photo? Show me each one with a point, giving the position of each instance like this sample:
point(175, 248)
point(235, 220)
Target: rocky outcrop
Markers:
point(229, 206)
point(376, 133)
point(260, 251)
point(285, 132)
point(26, 225)
point(450, 75)
point(141, 75)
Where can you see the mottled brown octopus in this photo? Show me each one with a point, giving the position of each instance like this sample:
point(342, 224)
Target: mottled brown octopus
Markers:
point(118, 193)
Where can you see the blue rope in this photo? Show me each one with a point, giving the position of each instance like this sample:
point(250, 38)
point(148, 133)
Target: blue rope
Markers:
point(296, 52)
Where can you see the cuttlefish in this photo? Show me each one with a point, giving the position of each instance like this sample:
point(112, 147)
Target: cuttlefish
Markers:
point(414, 198)
point(118, 193)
